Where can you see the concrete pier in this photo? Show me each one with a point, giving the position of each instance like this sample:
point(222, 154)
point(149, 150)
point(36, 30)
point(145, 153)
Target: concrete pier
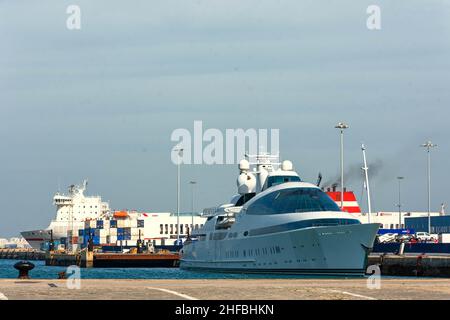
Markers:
point(227, 289)
point(83, 259)
point(88, 259)
point(22, 254)
point(390, 265)
point(413, 265)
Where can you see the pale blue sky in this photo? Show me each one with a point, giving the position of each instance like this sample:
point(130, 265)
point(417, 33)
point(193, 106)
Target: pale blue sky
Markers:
point(102, 102)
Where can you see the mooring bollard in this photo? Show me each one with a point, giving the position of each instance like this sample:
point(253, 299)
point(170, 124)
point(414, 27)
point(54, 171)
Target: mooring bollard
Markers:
point(24, 267)
point(139, 245)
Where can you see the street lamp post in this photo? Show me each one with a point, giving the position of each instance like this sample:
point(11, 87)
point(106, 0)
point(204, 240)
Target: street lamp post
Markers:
point(429, 145)
point(192, 183)
point(179, 151)
point(399, 205)
point(342, 126)
point(366, 173)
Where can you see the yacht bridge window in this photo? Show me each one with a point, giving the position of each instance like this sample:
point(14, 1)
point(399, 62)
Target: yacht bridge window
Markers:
point(293, 200)
point(244, 198)
point(274, 180)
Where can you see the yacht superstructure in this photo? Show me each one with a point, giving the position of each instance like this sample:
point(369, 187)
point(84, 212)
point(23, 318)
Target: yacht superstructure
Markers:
point(279, 224)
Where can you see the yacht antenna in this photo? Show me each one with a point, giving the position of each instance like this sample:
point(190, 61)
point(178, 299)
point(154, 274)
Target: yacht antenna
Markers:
point(84, 185)
point(319, 179)
point(366, 169)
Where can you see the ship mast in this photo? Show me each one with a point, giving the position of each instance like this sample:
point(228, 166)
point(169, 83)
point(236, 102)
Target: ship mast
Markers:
point(366, 173)
point(264, 163)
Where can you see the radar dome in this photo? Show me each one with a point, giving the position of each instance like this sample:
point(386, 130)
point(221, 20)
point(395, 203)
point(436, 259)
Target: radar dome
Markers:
point(244, 165)
point(286, 165)
point(246, 183)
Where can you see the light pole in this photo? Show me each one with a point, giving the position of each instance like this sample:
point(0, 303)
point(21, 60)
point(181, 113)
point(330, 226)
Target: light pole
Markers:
point(192, 183)
point(342, 126)
point(179, 151)
point(429, 145)
point(399, 205)
point(366, 173)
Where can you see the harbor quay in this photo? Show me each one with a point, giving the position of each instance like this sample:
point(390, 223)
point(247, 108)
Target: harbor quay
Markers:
point(406, 265)
point(22, 254)
point(229, 289)
point(389, 264)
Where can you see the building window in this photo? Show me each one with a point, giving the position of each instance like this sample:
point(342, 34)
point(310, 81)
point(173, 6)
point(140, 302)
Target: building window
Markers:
point(161, 229)
point(181, 229)
point(167, 228)
point(171, 229)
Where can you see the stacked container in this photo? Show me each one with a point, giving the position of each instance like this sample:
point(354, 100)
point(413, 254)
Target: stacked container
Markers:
point(120, 234)
point(111, 231)
point(99, 224)
point(127, 233)
point(90, 224)
point(112, 224)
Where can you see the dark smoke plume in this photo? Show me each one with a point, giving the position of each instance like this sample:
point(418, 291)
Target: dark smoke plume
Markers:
point(355, 173)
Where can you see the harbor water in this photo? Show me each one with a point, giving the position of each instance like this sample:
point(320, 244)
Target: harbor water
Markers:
point(41, 271)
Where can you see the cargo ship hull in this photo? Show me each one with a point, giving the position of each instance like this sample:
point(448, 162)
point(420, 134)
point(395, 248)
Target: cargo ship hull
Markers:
point(36, 238)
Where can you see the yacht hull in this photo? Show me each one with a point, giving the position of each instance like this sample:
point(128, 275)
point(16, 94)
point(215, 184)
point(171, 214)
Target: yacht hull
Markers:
point(328, 250)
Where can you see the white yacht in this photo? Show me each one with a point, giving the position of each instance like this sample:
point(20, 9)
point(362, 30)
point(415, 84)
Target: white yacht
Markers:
point(279, 224)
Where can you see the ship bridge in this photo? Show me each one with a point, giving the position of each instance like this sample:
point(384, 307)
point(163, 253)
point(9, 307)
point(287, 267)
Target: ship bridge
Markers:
point(62, 200)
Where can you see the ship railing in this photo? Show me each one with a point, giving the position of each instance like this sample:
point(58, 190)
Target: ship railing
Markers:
point(227, 210)
point(263, 158)
point(232, 211)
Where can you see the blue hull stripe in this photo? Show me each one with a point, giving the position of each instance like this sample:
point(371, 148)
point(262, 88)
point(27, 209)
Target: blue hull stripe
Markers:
point(303, 224)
